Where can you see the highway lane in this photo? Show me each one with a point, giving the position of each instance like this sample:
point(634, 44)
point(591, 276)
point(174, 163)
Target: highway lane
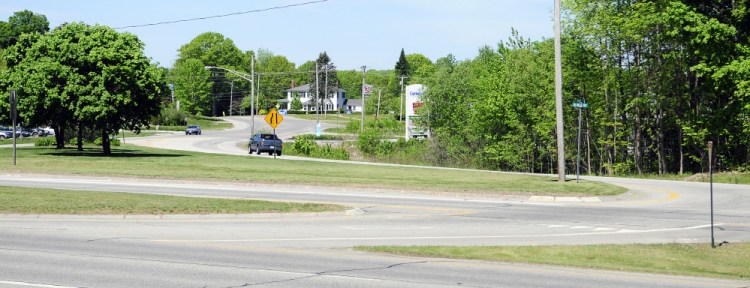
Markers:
point(311, 250)
point(29, 259)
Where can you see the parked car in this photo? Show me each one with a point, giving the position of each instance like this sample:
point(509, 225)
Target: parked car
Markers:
point(7, 132)
point(38, 132)
point(265, 143)
point(193, 130)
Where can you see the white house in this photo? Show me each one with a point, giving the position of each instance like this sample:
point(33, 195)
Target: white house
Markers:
point(332, 102)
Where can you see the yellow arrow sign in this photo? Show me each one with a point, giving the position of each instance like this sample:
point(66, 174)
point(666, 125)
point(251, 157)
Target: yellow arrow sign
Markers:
point(274, 118)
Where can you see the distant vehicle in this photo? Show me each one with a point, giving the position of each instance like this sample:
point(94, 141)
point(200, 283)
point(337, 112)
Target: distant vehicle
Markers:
point(39, 132)
point(282, 112)
point(7, 132)
point(265, 143)
point(193, 130)
point(23, 132)
point(49, 131)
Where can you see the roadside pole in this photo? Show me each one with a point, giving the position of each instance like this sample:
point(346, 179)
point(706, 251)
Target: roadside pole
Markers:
point(13, 112)
point(580, 104)
point(711, 189)
point(364, 72)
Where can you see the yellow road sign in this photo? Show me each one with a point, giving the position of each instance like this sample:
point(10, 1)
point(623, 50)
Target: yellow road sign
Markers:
point(274, 118)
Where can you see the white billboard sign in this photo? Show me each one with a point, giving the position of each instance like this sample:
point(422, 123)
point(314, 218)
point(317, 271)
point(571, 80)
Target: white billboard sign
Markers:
point(415, 124)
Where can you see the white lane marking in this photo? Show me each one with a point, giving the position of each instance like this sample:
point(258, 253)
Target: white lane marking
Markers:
point(581, 227)
point(33, 284)
point(556, 226)
point(604, 229)
point(428, 237)
point(384, 228)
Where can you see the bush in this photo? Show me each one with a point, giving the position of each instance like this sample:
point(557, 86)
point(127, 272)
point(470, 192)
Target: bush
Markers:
point(112, 142)
point(368, 141)
point(304, 145)
point(46, 141)
point(171, 117)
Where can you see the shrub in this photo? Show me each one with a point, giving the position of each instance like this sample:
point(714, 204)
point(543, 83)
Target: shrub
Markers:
point(368, 141)
point(46, 141)
point(304, 145)
point(112, 142)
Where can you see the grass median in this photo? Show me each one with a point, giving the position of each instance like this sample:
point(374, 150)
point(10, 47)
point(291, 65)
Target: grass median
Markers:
point(134, 161)
point(729, 261)
point(16, 200)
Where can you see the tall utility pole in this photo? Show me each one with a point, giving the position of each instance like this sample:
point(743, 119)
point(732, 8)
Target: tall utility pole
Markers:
point(325, 97)
point(231, 92)
point(401, 103)
point(252, 94)
point(364, 71)
point(258, 87)
point(317, 98)
point(558, 97)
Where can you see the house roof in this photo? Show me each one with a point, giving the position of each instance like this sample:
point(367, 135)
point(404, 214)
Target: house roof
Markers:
point(353, 102)
point(306, 88)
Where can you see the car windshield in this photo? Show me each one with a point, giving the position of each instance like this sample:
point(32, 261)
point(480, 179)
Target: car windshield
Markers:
point(268, 136)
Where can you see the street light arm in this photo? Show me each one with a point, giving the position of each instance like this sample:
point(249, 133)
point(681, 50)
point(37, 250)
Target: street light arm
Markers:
point(238, 74)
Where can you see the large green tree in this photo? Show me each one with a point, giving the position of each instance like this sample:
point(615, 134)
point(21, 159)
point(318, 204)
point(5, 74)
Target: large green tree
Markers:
point(212, 49)
point(192, 86)
point(87, 76)
point(327, 79)
point(20, 23)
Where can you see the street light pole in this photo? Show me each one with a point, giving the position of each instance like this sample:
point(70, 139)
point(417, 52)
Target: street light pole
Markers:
point(364, 71)
point(558, 97)
point(231, 91)
point(252, 93)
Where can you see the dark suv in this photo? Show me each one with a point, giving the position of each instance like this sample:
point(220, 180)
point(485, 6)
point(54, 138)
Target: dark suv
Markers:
point(265, 143)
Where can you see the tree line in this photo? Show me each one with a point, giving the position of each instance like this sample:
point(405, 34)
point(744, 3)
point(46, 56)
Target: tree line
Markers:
point(661, 78)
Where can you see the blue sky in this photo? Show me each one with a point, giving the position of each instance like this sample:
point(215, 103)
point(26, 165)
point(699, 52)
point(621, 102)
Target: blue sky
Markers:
point(359, 32)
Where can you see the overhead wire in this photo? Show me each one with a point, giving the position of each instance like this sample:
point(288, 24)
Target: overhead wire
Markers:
point(223, 15)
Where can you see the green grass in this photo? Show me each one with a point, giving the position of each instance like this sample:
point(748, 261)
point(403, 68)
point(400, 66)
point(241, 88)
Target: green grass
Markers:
point(27, 140)
point(729, 261)
point(17, 200)
point(719, 177)
point(322, 137)
point(134, 161)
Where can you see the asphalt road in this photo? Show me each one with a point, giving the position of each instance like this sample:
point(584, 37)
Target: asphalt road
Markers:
point(313, 250)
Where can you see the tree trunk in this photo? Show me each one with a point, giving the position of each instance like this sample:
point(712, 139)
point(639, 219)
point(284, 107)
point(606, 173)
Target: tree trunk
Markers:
point(80, 136)
point(105, 143)
point(59, 136)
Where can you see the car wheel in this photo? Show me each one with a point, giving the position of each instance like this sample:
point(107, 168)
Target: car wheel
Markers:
point(35, 134)
point(249, 150)
point(270, 153)
point(278, 153)
point(258, 151)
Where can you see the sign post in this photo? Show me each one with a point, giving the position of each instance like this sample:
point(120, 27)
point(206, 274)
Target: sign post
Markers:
point(711, 188)
point(273, 118)
point(13, 112)
point(580, 104)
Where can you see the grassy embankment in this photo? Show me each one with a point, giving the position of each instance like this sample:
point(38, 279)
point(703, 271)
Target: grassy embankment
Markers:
point(15, 200)
point(133, 161)
point(729, 261)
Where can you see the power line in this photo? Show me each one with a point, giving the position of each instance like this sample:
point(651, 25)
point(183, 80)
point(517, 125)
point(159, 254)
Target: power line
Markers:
point(224, 15)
